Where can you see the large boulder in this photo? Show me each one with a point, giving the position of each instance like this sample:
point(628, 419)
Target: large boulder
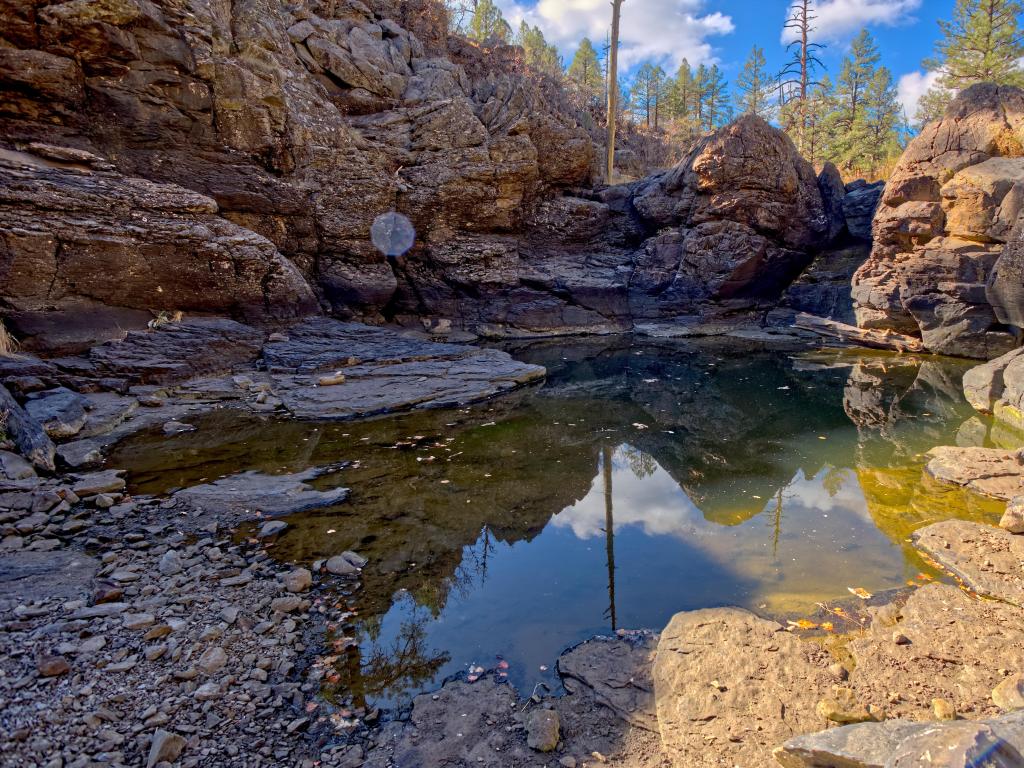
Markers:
point(947, 212)
point(737, 220)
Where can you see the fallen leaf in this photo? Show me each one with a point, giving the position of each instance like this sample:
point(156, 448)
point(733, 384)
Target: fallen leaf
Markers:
point(860, 592)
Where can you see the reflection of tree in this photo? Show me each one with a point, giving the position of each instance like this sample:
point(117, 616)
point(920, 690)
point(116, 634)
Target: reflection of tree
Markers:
point(405, 664)
point(834, 480)
point(642, 464)
point(609, 529)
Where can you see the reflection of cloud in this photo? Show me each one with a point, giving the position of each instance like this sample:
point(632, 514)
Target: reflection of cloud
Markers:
point(654, 502)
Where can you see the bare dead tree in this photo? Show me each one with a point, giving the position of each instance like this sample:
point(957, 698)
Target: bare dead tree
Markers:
point(613, 86)
point(798, 74)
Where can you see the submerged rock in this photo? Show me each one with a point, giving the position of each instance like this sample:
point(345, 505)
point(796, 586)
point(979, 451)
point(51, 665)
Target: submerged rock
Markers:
point(239, 497)
point(988, 471)
point(990, 560)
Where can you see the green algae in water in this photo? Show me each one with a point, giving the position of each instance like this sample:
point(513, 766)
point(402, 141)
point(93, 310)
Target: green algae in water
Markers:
point(639, 481)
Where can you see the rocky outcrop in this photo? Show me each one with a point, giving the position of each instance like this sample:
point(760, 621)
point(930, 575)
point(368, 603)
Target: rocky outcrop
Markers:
point(736, 221)
point(949, 209)
point(242, 152)
point(265, 130)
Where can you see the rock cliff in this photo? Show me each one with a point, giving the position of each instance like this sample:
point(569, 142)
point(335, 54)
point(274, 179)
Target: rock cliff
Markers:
point(231, 157)
point(941, 267)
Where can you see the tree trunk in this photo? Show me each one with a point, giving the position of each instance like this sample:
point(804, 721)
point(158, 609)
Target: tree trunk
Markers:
point(613, 88)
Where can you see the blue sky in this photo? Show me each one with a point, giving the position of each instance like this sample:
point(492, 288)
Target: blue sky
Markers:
point(723, 31)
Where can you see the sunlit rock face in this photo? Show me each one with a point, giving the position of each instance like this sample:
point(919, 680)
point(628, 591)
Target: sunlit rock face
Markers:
point(279, 134)
point(946, 250)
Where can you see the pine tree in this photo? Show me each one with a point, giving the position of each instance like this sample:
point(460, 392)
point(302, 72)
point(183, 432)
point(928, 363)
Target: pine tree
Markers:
point(717, 110)
point(982, 43)
point(754, 86)
point(487, 25)
point(648, 90)
point(539, 56)
point(585, 70)
point(858, 69)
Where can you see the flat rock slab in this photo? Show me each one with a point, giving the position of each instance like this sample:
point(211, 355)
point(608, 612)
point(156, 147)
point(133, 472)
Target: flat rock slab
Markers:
point(953, 646)
point(178, 351)
point(988, 471)
point(617, 673)
point(989, 560)
point(902, 743)
point(321, 344)
point(372, 389)
point(730, 687)
point(242, 496)
point(31, 576)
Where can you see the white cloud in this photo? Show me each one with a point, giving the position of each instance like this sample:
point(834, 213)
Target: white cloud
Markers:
point(912, 86)
point(838, 19)
point(661, 30)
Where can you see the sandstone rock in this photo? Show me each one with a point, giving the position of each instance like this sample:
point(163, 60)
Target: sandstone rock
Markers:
point(865, 745)
point(617, 672)
point(298, 580)
point(901, 744)
point(745, 208)
point(988, 559)
point(107, 481)
point(830, 184)
point(1009, 694)
point(165, 747)
point(755, 666)
point(212, 661)
point(956, 745)
point(859, 205)
point(543, 730)
point(178, 351)
point(942, 224)
point(28, 435)
point(988, 471)
point(1013, 518)
point(170, 563)
point(61, 575)
point(272, 528)
point(13, 467)
point(340, 566)
point(53, 666)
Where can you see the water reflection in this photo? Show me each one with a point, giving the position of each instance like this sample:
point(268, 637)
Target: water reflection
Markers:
point(639, 481)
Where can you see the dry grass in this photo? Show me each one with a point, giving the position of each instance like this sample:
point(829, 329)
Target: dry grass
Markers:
point(8, 344)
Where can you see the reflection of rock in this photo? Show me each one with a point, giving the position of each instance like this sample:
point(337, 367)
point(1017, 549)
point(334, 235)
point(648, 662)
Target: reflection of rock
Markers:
point(997, 387)
point(731, 686)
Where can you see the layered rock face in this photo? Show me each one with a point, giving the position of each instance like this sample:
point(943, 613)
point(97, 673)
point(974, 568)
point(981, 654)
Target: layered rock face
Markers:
point(231, 157)
point(937, 268)
point(300, 123)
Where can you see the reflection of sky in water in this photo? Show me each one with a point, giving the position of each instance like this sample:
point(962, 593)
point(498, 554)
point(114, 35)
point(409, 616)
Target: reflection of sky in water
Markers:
point(528, 601)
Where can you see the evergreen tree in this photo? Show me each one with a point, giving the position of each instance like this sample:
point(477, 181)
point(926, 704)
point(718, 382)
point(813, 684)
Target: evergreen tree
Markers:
point(539, 56)
point(585, 70)
point(880, 126)
point(754, 86)
point(648, 91)
point(679, 101)
point(982, 43)
point(717, 110)
point(857, 71)
point(487, 25)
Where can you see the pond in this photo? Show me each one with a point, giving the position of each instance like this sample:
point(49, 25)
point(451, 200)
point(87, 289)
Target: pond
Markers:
point(640, 480)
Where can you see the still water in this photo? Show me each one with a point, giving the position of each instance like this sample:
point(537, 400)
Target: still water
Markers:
point(640, 480)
